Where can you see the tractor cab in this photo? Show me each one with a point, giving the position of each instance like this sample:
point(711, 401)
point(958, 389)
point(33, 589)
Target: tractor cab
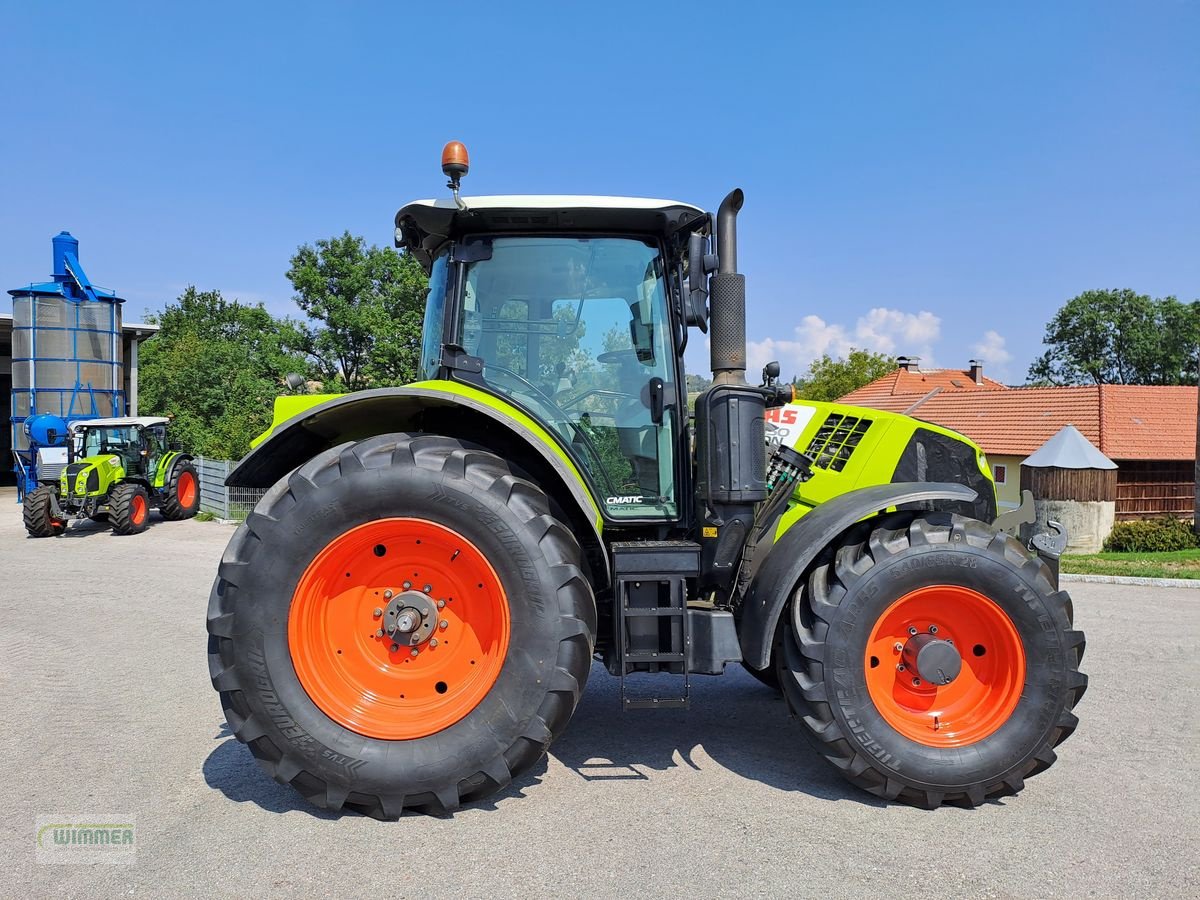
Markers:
point(139, 443)
point(569, 308)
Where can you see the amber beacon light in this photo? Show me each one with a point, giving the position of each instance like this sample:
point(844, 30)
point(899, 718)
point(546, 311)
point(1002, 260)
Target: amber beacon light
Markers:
point(455, 161)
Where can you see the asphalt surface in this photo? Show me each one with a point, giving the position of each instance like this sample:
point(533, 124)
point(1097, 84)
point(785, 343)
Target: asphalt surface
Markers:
point(108, 709)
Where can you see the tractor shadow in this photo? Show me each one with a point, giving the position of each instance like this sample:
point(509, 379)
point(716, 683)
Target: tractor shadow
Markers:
point(85, 528)
point(734, 721)
point(231, 770)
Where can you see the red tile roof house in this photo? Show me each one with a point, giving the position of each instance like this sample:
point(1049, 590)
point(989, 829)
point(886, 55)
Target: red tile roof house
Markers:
point(1148, 431)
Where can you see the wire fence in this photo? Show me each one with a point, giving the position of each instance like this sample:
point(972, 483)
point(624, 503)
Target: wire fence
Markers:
point(219, 500)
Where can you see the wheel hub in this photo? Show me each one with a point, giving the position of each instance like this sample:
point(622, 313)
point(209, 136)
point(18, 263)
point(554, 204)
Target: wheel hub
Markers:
point(932, 659)
point(410, 618)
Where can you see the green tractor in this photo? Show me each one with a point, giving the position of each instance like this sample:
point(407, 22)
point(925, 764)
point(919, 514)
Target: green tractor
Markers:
point(409, 616)
point(115, 471)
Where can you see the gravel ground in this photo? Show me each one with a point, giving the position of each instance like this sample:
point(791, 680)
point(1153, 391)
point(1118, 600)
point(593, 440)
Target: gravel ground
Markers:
point(109, 710)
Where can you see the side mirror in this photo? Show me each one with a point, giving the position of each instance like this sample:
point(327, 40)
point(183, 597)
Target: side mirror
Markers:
point(696, 303)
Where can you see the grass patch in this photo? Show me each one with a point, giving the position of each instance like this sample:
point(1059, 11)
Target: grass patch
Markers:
point(1175, 564)
point(203, 516)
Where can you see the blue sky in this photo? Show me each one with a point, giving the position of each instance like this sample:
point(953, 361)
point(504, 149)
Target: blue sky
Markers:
point(923, 178)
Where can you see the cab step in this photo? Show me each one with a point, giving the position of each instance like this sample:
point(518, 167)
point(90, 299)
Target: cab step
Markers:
point(652, 623)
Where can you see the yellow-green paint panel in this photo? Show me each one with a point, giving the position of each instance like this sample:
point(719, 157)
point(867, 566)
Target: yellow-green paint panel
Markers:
point(872, 462)
point(288, 407)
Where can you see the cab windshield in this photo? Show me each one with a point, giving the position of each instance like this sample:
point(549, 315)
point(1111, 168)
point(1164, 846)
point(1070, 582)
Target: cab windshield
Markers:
point(119, 439)
point(575, 331)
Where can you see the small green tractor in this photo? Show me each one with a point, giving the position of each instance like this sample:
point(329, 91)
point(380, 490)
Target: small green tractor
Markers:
point(409, 616)
point(115, 471)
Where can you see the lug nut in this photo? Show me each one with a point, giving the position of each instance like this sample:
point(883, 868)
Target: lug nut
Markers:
point(387, 595)
point(377, 613)
point(899, 667)
point(933, 629)
point(912, 630)
point(428, 588)
point(433, 642)
point(415, 652)
point(443, 623)
point(379, 633)
point(897, 646)
point(441, 604)
point(395, 647)
point(916, 682)
point(407, 585)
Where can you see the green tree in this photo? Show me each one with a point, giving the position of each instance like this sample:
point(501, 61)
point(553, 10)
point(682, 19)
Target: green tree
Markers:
point(365, 306)
point(1120, 337)
point(216, 366)
point(828, 378)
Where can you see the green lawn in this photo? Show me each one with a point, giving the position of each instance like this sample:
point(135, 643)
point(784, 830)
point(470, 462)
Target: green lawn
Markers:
point(1177, 564)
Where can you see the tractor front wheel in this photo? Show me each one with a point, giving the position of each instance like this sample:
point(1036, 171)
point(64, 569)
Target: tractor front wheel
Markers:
point(38, 512)
point(128, 508)
point(400, 623)
point(932, 660)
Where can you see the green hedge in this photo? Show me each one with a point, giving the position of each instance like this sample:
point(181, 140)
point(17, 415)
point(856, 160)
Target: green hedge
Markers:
point(1151, 536)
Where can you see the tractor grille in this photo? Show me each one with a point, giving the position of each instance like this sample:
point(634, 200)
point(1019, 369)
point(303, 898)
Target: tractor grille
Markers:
point(93, 478)
point(835, 441)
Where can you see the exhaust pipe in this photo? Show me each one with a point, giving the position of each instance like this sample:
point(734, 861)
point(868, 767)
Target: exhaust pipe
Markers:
point(727, 304)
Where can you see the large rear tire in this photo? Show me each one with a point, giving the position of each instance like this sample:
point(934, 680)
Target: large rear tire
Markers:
point(354, 715)
point(182, 500)
point(37, 513)
point(931, 660)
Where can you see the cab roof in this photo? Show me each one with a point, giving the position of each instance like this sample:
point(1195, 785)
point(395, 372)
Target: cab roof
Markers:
point(142, 421)
point(423, 226)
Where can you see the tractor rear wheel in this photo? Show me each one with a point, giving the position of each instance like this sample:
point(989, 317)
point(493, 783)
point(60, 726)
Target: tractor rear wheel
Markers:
point(932, 660)
point(400, 623)
point(128, 508)
point(182, 500)
point(37, 511)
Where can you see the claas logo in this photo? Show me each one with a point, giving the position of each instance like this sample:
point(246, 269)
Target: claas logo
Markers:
point(781, 416)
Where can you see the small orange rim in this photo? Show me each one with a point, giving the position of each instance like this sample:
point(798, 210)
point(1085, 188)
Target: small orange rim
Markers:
point(185, 489)
point(988, 687)
point(137, 509)
point(364, 680)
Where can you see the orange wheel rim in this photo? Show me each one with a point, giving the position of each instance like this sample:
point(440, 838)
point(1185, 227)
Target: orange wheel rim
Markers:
point(185, 489)
point(398, 685)
point(979, 700)
point(137, 509)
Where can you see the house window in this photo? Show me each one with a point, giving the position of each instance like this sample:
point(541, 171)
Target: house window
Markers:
point(1000, 473)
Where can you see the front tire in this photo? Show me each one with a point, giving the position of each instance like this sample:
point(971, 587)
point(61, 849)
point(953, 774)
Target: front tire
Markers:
point(37, 513)
point(998, 682)
point(337, 705)
point(128, 508)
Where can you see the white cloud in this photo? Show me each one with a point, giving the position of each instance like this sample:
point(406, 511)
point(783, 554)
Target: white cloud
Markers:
point(991, 350)
point(881, 330)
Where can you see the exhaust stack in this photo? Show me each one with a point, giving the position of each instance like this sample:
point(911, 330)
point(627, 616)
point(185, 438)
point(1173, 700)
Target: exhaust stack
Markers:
point(727, 291)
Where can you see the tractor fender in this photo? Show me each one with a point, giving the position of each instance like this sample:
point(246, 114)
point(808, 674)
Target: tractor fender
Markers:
point(454, 411)
point(792, 554)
